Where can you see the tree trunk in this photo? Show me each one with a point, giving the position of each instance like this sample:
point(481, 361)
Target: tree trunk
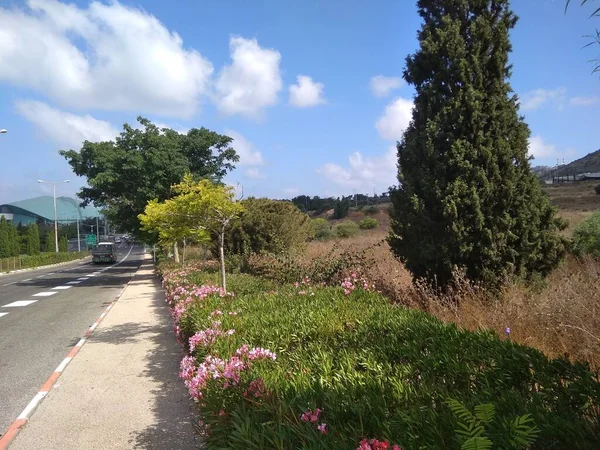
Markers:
point(222, 258)
point(175, 252)
point(183, 256)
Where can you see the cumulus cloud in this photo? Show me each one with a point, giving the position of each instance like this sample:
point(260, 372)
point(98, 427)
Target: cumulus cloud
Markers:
point(535, 99)
point(306, 92)
point(364, 172)
point(381, 86)
point(63, 128)
point(131, 60)
point(251, 82)
point(584, 101)
point(395, 119)
point(545, 153)
point(255, 174)
point(248, 154)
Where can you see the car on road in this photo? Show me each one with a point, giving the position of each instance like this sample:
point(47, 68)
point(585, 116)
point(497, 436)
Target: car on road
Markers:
point(104, 252)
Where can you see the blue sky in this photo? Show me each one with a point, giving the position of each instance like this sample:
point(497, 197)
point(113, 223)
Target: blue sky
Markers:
point(310, 91)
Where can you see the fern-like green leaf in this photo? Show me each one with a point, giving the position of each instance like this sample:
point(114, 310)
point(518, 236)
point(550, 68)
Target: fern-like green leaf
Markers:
point(485, 412)
point(477, 443)
point(523, 430)
point(460, 411)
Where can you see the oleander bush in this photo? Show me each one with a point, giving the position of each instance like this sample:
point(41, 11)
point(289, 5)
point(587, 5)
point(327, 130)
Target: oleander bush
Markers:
point(340, 367)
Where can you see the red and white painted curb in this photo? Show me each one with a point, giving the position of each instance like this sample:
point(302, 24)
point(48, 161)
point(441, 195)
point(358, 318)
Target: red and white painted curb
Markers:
point(19, 423)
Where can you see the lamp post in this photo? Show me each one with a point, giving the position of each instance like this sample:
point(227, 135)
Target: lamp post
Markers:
point(54, 183)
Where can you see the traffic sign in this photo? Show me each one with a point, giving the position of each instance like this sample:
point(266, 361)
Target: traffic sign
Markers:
point(90, 239)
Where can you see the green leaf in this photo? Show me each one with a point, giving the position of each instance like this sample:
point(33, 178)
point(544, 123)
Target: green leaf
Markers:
point(477, 443)
point(485, 412)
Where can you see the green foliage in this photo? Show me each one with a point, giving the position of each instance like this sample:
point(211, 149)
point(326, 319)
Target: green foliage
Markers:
point(267, 226)
point(467, 197)
point(41, 259)
point(49, 241)
point(340, 209)
point(63, 244)
point(368, 223)
point(371, 210)
point(320, 229)
point(9, 239)
point(33, 239)
point(346, 229)
point(142, 164)
point(482, 429)
point(379, 370)
point(586, 236)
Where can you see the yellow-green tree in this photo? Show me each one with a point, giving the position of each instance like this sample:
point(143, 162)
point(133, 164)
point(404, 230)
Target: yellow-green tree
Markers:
point(198, 209)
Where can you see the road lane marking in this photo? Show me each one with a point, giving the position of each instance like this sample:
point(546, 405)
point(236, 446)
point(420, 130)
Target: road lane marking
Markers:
point(81, 342)
point(82, 278)
point(74, 282)
point(40, 276)
point(28, 279)
point(3, 314)
point(45, 294)
point(19, 303)
point(62, 288)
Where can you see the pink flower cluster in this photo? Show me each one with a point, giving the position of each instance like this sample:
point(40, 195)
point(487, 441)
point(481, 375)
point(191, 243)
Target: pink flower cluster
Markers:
point(256, 389)
point(354, 282)
point(209, 336)
point(313, 417)
point(304, 282)
point(374, 444)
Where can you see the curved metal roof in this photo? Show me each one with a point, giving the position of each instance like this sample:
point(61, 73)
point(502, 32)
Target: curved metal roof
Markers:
point(67, 208)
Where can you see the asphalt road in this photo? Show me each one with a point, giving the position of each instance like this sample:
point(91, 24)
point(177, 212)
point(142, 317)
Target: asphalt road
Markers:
point(43, 313)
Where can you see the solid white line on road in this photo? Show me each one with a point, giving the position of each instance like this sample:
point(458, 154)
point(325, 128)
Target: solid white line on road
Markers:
point(62, 288)
point(63, 364)
point(19, 303)
point(74, 282)
point(51, 273)
point(32, 405)
point(3, 314)
point(80, 343)
point(45, 294)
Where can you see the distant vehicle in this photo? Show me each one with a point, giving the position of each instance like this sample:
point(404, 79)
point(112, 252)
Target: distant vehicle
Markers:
point(104, 252)
point(118, 240)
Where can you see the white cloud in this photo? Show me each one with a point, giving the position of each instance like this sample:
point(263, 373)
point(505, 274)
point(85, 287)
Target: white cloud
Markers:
point(538, 97)
point(291, 191)
point(63, 128)
point(248, 154)
point(306, 93)
point(545, 153)
point(395, 119)
point(251, 82)
point(381, 86)
point(585, 101)
point(105, 56)
point(364, 172)
point(255, 174)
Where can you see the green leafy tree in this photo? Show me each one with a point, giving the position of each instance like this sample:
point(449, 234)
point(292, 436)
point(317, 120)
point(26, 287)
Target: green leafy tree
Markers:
point(267, 226)
point(142, 165)
point(467, 197)
point(198, 209)
point(33, 239)
point(49, 242)
point(340, 209)
point(63, 244)
point(5, 245)
point(15, 242)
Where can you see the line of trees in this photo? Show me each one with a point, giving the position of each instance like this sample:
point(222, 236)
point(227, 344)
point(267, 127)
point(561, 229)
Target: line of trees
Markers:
point(18, 240)
point(319, 205)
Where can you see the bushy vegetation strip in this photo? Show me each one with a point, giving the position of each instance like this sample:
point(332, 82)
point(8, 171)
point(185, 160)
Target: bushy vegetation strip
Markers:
point(41, 259)
point(336, 367)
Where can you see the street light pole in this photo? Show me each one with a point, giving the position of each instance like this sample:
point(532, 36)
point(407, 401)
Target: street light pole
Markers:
point(54, 183)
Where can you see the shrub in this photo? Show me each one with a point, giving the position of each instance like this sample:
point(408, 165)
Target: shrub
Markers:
point(269, 226)
point(320, 229)
point(311, 367)
point(346, 229)
point(340, 209)
point(597, 189)
point(368, 223)
point(586, 236)
point(370, 210)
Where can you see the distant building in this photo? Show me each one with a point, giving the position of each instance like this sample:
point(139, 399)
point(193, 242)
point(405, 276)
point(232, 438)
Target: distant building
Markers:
point(42, 209)
point(589, 176)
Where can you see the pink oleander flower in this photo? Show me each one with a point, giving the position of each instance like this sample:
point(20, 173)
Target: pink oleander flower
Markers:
point(216, 313)
point(310, 416)
point(261, 353)
point(222, 413)
point(322, 428)
point(187, 368)
point(302, 292)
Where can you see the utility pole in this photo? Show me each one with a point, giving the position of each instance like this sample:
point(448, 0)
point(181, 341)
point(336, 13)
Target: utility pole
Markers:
point(78, 238)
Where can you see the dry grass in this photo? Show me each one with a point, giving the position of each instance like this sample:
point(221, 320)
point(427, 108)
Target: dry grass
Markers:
point(560, 317)
point(575, 201)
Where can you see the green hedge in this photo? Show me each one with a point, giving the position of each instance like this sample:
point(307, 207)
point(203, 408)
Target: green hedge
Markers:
point(375, 370)
point(43, 259)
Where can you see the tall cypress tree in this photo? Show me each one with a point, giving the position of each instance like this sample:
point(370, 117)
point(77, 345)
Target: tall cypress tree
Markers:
point(467, 197)
point(33, 239)
point(5, 246)
point(15, 242)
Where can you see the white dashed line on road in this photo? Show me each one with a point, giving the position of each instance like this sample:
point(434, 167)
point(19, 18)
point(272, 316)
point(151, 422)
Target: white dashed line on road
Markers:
point(28, 279)
point(61, 288)
point(74, 282)
point(3, 314)
point(45, 294)
point(19, 303)
point(83, 278)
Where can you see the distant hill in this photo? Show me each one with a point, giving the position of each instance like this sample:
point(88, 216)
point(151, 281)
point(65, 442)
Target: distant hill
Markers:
point(589, 163)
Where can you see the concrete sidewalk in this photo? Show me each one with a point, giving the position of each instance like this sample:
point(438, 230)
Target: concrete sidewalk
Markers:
point(121, 391)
